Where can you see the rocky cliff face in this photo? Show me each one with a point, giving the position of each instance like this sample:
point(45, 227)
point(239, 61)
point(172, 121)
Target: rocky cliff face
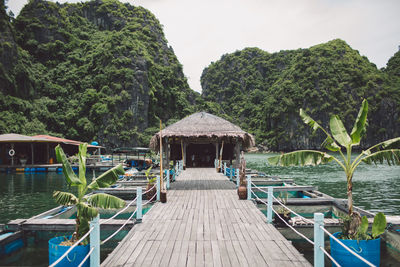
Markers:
point(99, 70)
point(264, 93)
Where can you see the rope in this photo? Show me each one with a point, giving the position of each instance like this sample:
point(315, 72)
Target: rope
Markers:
point(119, 212)
point(151, 188)
point(116, 232)
point(280, 203)
point(130, 217)
point(71, 248)
point(307, 220)
point(347, 248)
point(87, 256)
point(329, 256)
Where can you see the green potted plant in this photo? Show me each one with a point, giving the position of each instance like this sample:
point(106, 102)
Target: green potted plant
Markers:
point(86, 205)
point(337, 141)
point(151, 178)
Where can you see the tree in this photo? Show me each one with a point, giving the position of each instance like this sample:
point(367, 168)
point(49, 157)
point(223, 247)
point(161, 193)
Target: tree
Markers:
point(335, 141)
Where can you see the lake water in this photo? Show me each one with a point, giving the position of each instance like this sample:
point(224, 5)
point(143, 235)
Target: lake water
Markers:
point(375, 187)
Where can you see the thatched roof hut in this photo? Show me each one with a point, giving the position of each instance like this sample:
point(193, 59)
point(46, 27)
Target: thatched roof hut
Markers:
point(199, 135)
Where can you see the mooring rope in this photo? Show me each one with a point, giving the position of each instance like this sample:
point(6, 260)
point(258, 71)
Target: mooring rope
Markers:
point(312, 222)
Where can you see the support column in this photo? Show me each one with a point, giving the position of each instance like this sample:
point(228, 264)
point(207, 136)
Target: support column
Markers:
point(184, 155)
point(216, 154)
point(32, 153)
point(47, 153)
point(237, 152)
point(166, 149)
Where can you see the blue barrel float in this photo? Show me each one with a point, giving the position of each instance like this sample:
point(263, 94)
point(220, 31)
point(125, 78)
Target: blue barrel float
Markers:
point(368, 249)
point(74, 258)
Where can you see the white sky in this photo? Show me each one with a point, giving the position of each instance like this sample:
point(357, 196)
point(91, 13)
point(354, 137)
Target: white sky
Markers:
point(201, 31)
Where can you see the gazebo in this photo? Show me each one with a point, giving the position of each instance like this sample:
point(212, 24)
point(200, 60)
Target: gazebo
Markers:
point(201, 138)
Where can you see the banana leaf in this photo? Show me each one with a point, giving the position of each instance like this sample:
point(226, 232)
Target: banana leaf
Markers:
point(359, 127)
point(85, 211)
point(391, 156)
point(65, 198)
point(108, 178)
point(388, 144)
point(69, 174)
point(105, 201)
point(301, 158)
point(82, 163)
point(329, 143)
point(339, 132)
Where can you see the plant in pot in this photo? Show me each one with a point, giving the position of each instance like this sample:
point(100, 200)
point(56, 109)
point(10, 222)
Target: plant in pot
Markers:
point(151, 178)
point(86, 206)
point(336, 141)
point(284, 213)
point(242, 189)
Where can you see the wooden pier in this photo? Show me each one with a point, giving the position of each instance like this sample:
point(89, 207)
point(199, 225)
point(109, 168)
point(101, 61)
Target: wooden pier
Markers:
point(204, 223)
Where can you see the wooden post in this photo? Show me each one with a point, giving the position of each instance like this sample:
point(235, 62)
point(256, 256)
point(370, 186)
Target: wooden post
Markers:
point(237, 178)
point(230, 173)
point(139, 203)
point(269, 206)
point(220, 156)
point(158, 187)
point(47, 153)
point(237, 153)
point(248, 187)
point(216, 155)
point(95, 242)
point(32, 153)
point(161, 158)
point(184, 161)
point(318, 240)
point(183, 154)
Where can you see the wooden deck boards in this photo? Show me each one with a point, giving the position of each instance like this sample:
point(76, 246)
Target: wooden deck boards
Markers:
point(204, 224)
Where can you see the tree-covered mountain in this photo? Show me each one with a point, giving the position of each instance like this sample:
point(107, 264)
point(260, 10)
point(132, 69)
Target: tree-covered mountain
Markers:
point(98, 70)
point(263, 92)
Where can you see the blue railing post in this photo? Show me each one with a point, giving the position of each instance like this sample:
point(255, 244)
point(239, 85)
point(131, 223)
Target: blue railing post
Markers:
point(237, 178)
point(167, 184)
point(230, 173)
point(158, 188)
point(95, 242)
point(269, 209)
point(318, 240)
point(139, 203)
point(248, 187)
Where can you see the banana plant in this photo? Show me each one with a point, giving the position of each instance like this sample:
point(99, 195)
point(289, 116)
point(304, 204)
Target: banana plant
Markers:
point(86, 205)
point(338, 140)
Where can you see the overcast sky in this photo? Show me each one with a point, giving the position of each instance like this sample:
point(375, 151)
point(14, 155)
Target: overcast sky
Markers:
point(201, 31)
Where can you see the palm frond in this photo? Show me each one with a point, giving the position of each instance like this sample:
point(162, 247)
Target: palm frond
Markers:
point(105, 201)
point(301, 158)
point(65, 198)
point(391, 156)
point(108, 178)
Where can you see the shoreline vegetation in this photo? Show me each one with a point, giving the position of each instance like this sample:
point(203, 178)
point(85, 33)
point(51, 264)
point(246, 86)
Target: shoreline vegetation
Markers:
point(129, 78)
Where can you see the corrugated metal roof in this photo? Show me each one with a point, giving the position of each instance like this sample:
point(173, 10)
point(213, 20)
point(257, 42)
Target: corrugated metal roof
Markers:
point(12, 137)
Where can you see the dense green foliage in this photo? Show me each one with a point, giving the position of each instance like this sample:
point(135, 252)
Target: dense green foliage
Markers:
point(96, 70)
point(262, 92)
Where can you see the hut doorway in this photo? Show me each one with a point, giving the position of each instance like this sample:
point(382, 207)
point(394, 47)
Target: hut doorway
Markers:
point(200, 155)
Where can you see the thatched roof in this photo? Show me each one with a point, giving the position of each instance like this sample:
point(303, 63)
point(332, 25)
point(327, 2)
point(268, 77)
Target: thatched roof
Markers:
point(203, 124)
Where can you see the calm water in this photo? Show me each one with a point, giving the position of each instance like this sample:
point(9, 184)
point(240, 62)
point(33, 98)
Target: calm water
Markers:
point(23, 195)
point(375, 187)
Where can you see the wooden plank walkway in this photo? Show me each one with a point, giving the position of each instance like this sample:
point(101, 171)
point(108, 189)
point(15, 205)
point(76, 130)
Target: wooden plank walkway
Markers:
point(204, 224)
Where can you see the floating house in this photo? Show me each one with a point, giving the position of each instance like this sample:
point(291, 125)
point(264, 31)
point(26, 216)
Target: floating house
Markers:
point(201, 138)
point(21, 150)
